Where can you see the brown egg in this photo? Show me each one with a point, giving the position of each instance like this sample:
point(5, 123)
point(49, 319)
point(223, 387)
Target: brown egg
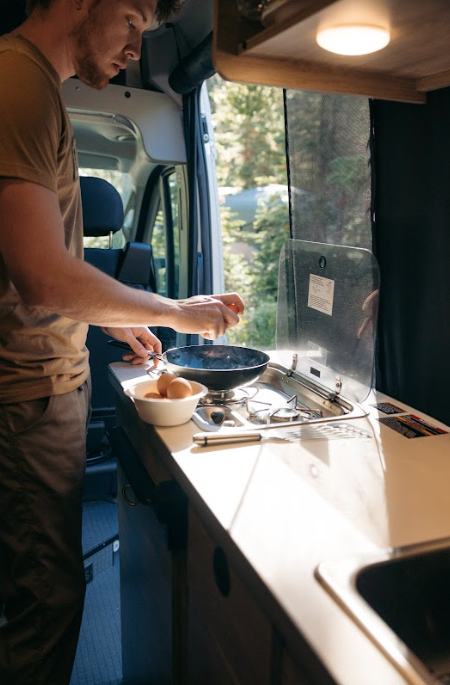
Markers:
point(178, 389)
point(154, 396)
point(163, 382)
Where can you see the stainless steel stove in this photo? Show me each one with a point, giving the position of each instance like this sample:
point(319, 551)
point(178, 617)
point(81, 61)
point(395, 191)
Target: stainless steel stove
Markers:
point(326, 315)
point(279, 396)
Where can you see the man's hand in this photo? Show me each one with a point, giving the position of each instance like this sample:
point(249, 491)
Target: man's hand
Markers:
point(140, 339)
point(209, 315)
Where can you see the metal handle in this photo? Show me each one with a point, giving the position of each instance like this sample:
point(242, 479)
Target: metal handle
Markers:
point(125, 346)
point(205, 439)
point(125, 489)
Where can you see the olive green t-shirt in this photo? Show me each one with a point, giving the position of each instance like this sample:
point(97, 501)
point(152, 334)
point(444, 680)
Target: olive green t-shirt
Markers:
point(41, 353)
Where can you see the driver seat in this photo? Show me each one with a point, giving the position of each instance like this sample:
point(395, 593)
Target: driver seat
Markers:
point(133, 265)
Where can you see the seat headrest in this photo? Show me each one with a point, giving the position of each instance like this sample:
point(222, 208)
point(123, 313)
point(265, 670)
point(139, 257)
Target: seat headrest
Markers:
point(102, 207)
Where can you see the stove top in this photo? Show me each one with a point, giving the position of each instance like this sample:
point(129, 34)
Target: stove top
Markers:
point(278, 396)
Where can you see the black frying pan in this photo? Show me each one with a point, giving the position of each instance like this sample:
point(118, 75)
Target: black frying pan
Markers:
point(219, 367)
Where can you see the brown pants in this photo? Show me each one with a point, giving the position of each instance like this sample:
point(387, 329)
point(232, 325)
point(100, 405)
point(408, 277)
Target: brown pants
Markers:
point(42, 465)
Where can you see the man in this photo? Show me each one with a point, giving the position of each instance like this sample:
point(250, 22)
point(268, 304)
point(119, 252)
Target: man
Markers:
point(48, 296)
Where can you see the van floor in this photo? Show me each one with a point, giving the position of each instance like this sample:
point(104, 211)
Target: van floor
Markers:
point(98, 660)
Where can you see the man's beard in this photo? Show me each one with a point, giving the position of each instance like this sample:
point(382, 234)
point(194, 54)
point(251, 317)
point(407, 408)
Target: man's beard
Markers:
point(87, 35)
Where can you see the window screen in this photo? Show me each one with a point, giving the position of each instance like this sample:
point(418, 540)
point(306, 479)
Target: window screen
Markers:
point(329, 167)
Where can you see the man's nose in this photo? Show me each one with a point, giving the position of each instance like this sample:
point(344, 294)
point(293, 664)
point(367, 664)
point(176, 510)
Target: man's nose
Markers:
point(133, 50)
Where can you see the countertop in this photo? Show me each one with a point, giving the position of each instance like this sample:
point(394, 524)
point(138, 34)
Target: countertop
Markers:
point(287, 507)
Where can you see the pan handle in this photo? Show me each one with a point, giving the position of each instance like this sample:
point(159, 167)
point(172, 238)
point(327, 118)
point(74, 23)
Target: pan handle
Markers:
point(125, 346)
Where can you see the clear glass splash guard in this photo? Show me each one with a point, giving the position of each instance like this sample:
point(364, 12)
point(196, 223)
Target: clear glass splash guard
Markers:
point(326, 315)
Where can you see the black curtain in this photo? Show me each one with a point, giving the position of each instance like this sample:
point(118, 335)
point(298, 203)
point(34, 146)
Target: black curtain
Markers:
point(200, 275)
point(411, 233)
point(199, 246)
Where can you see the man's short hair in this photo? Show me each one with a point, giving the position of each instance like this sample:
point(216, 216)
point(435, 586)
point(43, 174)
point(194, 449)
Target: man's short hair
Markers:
point(164, 8)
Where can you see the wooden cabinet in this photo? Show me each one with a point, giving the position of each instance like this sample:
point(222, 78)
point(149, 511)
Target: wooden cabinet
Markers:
point(230, 638)
point(291, 672)
point(146, 592)
point(286, 54)
point(188, 618)
point(152, 529)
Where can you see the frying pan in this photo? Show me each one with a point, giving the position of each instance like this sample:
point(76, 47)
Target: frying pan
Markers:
point(219, 367)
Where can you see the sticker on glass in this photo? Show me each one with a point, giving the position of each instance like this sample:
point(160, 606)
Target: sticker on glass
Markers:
point(321, 294)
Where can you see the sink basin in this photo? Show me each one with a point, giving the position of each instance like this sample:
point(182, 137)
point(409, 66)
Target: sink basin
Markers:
point(401, 600)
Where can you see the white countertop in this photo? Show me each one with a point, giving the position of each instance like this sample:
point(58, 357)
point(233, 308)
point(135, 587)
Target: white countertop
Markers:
point(289, 506)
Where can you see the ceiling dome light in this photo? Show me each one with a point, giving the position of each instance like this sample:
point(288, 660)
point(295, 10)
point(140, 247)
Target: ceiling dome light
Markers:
point(353, 40)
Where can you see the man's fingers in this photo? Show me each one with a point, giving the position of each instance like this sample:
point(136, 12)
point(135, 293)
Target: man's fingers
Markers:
point(233, 301)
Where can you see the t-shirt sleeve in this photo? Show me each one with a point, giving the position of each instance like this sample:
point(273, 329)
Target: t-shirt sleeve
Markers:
point(30, 122)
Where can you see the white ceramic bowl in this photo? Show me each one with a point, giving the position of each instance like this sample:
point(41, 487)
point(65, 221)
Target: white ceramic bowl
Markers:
point(164, 412)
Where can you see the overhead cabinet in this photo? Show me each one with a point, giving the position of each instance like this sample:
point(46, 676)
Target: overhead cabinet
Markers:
point(285, 53)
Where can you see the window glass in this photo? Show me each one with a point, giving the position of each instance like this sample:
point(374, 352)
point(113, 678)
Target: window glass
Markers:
point(329, 179)
point(251, 173)
point(124, 185)
point(165, 238)
point(174, 204)
point(329, 167)
point(159, 252)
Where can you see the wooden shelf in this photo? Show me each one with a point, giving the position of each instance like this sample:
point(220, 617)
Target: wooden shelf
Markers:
point(417, 59)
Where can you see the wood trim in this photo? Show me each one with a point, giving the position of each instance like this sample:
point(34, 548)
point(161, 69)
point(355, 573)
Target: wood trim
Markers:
point(304, 76)
point(272, 31)
point(434, 82)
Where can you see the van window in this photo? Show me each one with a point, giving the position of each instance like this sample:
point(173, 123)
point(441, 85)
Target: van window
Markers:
point(329, 167)
point(253, 192)
point(263, 136)
point(165, 239)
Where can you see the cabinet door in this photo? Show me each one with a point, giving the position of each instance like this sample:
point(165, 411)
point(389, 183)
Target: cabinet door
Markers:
point(146, 594)
point(230, 638)
point(291, 672)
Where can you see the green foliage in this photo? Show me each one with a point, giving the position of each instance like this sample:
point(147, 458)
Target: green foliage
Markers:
point(257, 328)
point(251, 151)
point(249, 132)
point(256, 278)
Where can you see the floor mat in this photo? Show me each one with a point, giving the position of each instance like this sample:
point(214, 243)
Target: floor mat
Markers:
point(100, 522)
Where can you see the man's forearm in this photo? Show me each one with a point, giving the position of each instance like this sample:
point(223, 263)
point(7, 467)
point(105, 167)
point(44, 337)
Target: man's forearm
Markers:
point(80, 291)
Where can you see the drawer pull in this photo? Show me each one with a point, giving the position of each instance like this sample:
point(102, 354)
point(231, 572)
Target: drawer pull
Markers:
point(132, 502)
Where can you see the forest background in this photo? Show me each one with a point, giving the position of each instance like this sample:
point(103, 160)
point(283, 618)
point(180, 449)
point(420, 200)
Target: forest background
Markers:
point(326, 136)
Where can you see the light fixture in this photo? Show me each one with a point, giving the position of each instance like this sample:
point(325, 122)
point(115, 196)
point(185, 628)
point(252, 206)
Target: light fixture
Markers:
point(353, 39)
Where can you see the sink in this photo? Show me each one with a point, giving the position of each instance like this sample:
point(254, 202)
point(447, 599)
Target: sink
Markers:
point(401, 599)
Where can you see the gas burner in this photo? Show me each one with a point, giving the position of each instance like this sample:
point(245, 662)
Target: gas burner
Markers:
point(258, 418)
point(236, 398)
point(268, 415)
point(284, 414)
